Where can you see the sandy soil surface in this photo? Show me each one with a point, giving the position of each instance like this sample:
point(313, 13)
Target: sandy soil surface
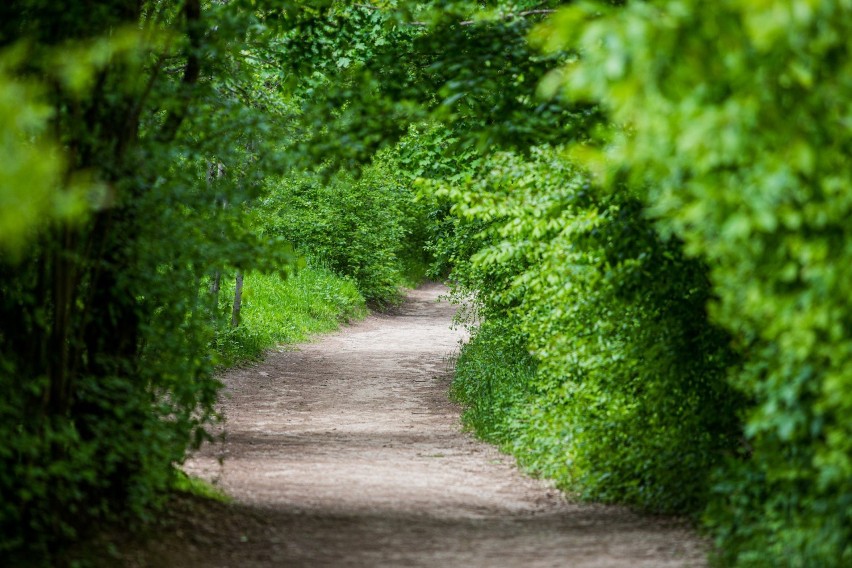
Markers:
point(347, 452)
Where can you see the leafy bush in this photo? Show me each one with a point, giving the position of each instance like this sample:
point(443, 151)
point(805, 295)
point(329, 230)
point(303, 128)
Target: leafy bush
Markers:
point(106, 375)
point(628, 400)
point(735, 123)
point(507, 404)
point(367, 228)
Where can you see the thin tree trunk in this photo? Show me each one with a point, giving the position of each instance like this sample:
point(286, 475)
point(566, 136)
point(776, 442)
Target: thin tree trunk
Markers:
point(238, 300)
point(214, 292)
point(215, 286)
point(215, 170)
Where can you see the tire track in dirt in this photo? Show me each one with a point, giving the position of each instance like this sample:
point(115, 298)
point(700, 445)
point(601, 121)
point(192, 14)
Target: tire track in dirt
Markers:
point(346, 452)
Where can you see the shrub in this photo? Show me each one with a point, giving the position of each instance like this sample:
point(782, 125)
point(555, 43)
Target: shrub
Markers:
point(733, 125)
point(365, 228)
point(628, 400)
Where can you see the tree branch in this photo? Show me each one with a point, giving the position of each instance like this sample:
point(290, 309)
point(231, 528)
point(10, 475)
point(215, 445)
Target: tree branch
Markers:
point(191, 71)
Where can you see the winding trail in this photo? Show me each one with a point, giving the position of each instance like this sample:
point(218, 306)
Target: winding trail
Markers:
point(346, 452)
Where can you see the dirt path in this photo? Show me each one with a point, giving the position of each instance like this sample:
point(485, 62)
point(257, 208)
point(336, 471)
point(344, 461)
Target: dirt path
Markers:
point(346, 452)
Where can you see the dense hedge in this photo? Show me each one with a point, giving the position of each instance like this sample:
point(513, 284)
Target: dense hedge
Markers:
point(628, 400)
point(691, 305)
point(745, 154)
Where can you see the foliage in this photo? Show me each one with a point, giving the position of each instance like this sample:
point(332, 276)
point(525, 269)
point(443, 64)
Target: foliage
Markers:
point(370, 71)
point(33, 164)
point(367, 228)
point(505, 403)
point(655, 243)
point(190, 485)
point(734, 118)
point(106, 375)
point(627, 400)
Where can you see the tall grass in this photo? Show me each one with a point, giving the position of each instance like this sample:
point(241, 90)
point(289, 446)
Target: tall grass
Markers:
point(278, 310)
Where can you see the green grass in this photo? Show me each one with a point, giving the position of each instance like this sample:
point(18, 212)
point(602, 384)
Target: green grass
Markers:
point(191, 485)
point(279, 310)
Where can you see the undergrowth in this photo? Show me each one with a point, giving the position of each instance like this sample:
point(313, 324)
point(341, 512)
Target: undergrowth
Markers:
point(278, 310)
point(495, 380)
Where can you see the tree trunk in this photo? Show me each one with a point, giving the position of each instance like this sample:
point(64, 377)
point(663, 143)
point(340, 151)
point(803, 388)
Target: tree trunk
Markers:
point(215, 170)
point(214, 291)
point(238, 300)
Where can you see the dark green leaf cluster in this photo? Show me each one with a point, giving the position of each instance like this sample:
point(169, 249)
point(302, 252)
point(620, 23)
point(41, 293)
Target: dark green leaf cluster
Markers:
point(374, 71)
point(152, 163)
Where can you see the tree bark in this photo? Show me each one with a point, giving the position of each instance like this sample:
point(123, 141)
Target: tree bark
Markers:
point(215, 170)
point(238, 300)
